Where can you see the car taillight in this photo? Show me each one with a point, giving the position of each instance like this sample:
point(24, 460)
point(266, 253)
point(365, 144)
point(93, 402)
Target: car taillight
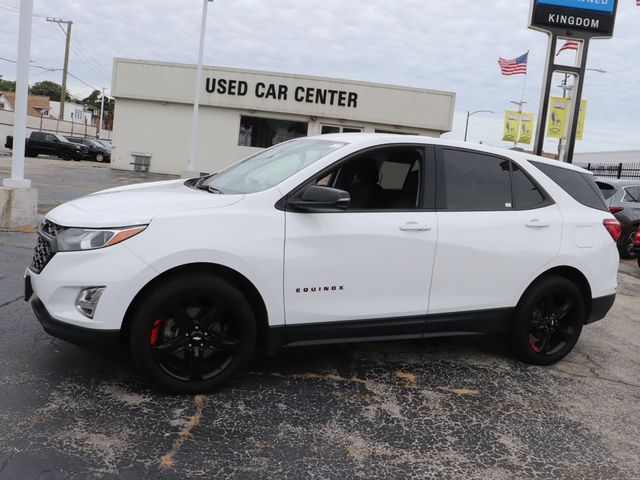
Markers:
point(636, 241)
point(613, 227)
point(615, 210)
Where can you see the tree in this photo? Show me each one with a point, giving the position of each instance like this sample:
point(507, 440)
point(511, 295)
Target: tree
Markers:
point(7, 85)
point(94, 100)
point(49, 89)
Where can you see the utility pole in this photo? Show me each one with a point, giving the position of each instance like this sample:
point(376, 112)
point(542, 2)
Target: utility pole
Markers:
point(101, 114)
point(65, 70)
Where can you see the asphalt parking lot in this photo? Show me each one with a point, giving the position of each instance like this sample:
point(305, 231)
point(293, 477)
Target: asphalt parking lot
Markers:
point(440, 408)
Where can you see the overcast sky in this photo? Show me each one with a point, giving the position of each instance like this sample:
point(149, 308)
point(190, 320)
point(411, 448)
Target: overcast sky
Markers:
point(449, 45)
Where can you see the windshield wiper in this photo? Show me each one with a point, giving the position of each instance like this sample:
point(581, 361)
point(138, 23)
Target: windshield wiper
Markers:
point(208, 188)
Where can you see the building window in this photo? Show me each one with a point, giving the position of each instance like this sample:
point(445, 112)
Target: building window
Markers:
point(338, 129)
point(266, 132)
point(395, 133)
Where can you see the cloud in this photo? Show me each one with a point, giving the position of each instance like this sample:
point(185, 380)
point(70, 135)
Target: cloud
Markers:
point(452, 45)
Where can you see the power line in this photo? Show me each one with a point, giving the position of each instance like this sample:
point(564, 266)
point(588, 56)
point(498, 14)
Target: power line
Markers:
point(48, 69)
point(32, 66)
point(17, 10)
point(87, 62)
point(82, 81)
point(81, 46)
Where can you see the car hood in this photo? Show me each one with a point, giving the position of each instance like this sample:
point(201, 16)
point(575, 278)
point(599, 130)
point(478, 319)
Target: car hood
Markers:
point(136, 204)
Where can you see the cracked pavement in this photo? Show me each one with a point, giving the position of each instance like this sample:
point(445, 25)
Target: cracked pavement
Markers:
point(437, 408)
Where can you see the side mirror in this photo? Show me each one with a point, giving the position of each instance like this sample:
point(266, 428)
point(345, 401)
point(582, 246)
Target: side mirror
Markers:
point(54, 140)
point(321, 198)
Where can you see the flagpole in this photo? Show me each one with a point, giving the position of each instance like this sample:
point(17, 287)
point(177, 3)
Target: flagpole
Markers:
point(521, 103)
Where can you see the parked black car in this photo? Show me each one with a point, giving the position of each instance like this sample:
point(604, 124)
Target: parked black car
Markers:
point(42, 143)
point(623, 200)
point(105, 142)
point(97, 151)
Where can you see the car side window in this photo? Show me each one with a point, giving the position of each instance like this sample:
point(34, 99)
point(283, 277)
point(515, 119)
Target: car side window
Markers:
point(632, 194)
point(526, 194)
point(49, 138)
point(382, 179)
point(476, 182)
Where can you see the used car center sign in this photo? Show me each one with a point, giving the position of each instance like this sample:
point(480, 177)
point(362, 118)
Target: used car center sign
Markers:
point(595, 17)
point(268, 90)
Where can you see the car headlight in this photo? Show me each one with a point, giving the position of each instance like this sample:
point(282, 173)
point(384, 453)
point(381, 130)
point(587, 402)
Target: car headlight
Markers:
point(74, 239)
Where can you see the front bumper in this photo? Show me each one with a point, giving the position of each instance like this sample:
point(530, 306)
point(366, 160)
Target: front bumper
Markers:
point(92, 339)
point(116, 269)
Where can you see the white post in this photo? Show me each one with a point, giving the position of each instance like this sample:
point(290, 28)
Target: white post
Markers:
point(17, 179)
point(101, 114)
point(193, 150)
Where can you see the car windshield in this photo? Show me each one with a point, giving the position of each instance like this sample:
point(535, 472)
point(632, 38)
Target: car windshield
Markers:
point(270, 167)
point(93, 143)
point(60, 137)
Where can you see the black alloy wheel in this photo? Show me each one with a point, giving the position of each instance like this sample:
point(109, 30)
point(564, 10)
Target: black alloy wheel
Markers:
point(548, 321)
point(629, 249)
point(193, 333)
point(67, 155)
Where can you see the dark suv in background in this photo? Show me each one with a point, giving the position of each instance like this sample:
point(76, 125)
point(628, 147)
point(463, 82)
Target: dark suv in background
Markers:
point(623, 200)
point(96, 150)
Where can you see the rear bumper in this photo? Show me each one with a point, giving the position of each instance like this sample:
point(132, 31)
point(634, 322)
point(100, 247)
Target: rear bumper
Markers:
point(600, 307)
point(92, 339)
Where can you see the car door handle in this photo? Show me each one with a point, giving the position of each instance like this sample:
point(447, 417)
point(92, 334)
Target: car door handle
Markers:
point(535, 223)
point(414, 227)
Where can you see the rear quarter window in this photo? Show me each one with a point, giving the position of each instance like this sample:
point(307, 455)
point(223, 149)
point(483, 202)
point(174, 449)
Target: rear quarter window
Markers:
point(606, 189)
point(581, 186)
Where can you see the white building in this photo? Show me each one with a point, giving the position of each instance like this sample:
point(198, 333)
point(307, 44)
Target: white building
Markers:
point(244, 111)
point(73, 112)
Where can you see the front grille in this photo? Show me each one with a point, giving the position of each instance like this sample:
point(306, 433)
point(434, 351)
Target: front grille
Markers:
point(42, 255)
point(50, 228)
point(43, 252)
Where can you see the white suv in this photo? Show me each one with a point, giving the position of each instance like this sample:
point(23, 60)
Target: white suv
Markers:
point(338, 238)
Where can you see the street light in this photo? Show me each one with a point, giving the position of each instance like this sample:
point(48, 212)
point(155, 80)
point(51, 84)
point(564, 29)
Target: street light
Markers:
point(469, 114)
point(196, 98)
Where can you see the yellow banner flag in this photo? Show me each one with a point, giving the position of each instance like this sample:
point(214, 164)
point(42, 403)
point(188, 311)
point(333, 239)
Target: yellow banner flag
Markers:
point(556, 126)
point(583, 113)
point(526, 128)
point(511, 123)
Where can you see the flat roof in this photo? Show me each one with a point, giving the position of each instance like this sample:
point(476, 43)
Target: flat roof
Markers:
point(262, 91)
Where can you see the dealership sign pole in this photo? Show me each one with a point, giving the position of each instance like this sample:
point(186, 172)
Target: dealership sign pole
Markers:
point(578, 20)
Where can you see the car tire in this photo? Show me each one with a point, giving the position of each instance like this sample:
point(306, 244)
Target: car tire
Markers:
point(192, 333)
point(547, 321)
point(66, 155)
point(625, 246)
point(99, 157)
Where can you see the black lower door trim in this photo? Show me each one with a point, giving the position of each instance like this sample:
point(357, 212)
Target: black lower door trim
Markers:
point(487, 322)
point(493, 321)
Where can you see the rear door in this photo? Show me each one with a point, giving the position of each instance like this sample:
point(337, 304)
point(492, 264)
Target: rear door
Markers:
point(496, 229)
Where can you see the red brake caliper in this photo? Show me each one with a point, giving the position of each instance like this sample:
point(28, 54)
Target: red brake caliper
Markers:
point(533, 347)
point(154, 331)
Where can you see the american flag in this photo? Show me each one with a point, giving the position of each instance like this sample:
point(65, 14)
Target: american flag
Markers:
point(517, 66)
point(571, 45)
